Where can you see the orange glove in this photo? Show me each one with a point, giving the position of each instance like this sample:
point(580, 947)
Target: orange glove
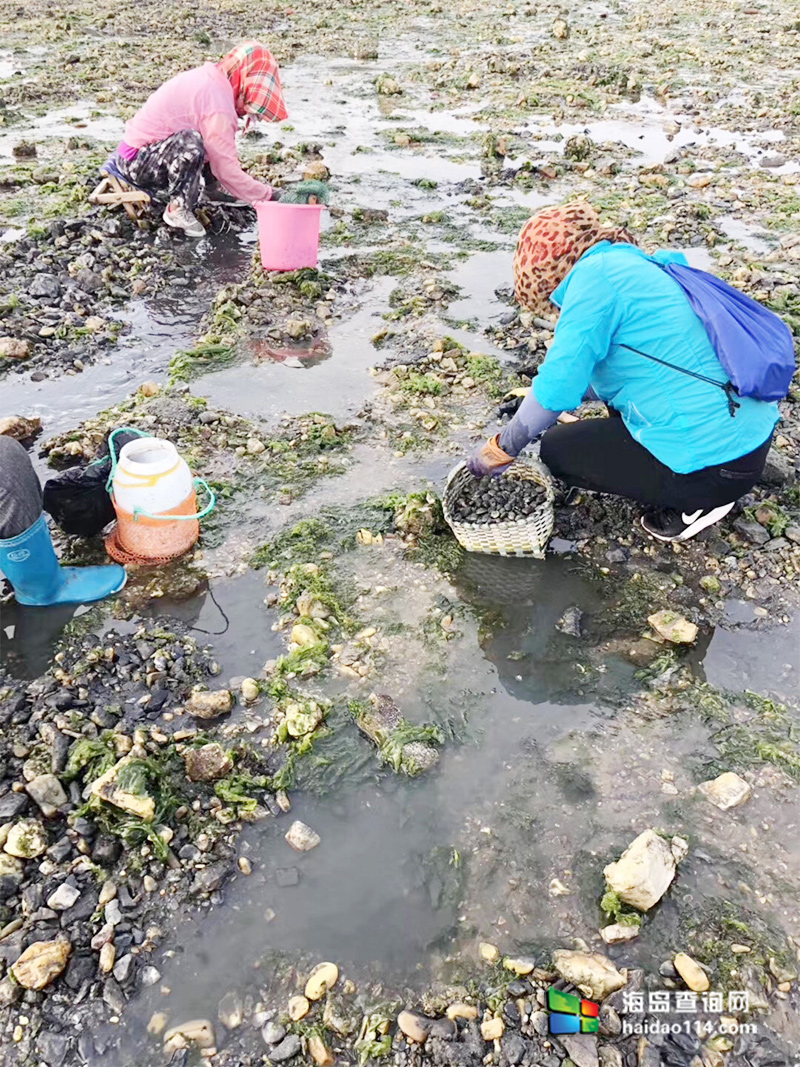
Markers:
point(489, 459)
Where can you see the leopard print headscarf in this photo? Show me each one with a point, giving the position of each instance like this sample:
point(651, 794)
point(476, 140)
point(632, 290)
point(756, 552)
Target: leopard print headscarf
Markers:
point(549, 246)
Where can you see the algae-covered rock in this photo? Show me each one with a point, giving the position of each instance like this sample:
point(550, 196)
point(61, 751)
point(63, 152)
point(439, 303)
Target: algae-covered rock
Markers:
point(207, 763)
point(303, 635)
point(405, 746)
point(303, 719)
point(26, 839)
point(122, 786)
point(673, 627)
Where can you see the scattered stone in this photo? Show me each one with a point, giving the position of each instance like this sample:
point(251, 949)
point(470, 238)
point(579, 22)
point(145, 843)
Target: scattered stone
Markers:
point(692, 973)
point(781, 974)
point(673, 627)
point(209, 705)
point(124, 968)
point(303, 635)
point(230, 1011)
point(460, 1010)
point(570, 622)
point(591, 971)
point(250, 690)
point(609, 1055)
point(416, 1027)
point(286, 1050)
point(197, 1032)
point(489, 953)
point(298, 1008)
point(775, 159)
point(514, 1049)
point(149, 389)
point(492, 1029)
point(520, 964)
point(320, 1053)
point(41, 963)
point(273, 1033)
point(108, 955)
point(46, 791)
point(387, 86)
point(617, 933)
point(17, 427)
point(207, 763)
point(679, 847)
point(561, 29)
point(322, 978)
point(644, 871)
point(10, 993)
point(726, 791)
point(46, 286)
point(158, 1020)
point(301, 837)
point(751, 531)
point(778, 469)
point(341, 1015)
point(63, 897)
point(26, 840)
point(581, 1049)
point(12, 348)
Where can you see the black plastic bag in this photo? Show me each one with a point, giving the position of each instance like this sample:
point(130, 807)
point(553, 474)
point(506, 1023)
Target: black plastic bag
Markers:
point(77, 498)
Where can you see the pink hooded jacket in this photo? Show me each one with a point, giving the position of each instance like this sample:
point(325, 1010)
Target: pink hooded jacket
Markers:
point(200, 99)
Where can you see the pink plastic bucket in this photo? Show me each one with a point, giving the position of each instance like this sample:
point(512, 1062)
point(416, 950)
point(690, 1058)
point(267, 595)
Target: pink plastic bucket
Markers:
point(288, 234)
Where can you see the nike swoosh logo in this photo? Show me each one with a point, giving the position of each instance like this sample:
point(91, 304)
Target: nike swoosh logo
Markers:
point(689, 519)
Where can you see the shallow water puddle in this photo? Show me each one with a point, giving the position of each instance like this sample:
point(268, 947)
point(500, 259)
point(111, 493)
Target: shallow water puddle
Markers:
point(335, 380)
point(478, 279)
point(158, 325)
point(641, 128)
point(83, 120)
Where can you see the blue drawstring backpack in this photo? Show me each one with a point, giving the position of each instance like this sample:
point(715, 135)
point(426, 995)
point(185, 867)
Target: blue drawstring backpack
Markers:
point(753, 344)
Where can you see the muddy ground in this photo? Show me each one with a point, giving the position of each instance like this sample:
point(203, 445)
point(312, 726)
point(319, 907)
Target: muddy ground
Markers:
point(470, 740)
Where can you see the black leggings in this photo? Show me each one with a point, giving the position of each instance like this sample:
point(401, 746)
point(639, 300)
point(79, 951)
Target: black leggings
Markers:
point(173, 167)
point(600, 454)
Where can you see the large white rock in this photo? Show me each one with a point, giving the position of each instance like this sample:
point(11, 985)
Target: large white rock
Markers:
point(644, 871)
point(726, 791)
point(590, 971)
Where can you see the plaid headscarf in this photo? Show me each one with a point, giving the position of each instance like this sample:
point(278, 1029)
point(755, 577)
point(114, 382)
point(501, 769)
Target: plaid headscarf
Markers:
point(252, 71)
point(549, 246)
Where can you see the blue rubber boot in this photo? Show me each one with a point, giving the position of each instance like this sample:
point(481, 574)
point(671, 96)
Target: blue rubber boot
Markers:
point(29, 562)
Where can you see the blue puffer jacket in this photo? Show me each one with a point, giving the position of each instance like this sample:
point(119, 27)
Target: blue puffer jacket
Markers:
point(613, 296)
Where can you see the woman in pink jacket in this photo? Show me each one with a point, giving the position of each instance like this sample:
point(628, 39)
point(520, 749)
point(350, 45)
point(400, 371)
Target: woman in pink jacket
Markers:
point(193, 118)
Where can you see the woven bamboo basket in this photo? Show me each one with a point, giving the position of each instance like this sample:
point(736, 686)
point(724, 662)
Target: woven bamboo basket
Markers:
point(519, 537)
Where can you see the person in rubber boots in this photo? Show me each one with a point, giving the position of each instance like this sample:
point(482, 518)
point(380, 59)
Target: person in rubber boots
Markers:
point(671, 441)
point(27, 557)
point(192, 120)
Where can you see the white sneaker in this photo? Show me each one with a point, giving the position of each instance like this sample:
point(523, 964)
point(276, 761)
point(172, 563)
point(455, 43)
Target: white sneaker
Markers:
point(669, 525)
point(179, 218)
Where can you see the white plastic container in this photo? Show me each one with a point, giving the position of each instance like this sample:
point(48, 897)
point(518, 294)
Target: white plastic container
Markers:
point(152, 483)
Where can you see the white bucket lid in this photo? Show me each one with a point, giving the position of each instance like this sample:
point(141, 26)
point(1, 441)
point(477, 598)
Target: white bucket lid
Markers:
point(148, 455)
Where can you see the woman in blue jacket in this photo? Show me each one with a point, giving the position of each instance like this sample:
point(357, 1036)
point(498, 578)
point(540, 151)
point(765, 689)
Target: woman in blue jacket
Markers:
point(681, 445)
